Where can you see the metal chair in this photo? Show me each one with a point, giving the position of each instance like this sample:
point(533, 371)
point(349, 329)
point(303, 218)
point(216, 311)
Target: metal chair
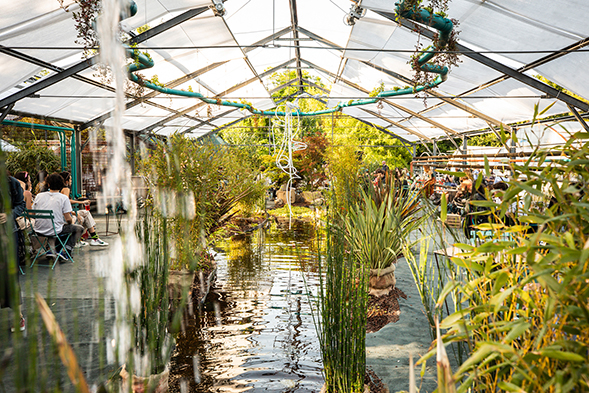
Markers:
point(44, 241)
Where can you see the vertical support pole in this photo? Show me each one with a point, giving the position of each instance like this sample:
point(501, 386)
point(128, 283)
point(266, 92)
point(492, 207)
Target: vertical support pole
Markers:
point(132, 152)
point(77, 162)
point(465, 150)
point(434, 163)
point(512, 149)
point(412, 159)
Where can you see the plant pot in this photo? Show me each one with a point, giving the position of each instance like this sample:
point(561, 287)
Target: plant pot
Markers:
point(382, 281)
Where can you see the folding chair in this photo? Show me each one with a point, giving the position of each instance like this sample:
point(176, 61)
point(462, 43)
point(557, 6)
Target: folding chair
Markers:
point(44, 241)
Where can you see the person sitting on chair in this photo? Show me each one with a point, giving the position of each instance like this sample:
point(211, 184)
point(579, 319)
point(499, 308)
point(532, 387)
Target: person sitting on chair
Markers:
point(82, 217)
point(62, 213)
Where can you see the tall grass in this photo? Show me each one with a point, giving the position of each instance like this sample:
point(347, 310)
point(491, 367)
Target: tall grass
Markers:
point(343, 295)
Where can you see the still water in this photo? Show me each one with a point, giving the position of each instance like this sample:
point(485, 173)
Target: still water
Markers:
point(256, 331)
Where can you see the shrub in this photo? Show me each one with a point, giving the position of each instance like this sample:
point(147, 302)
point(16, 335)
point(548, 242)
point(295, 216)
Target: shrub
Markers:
point(33, 158)
point(525, 317)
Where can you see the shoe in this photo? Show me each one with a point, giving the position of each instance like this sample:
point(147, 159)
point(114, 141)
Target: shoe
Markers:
point(97, 242)
point(50, 254)
point(22, 326)
point(63, 255)
point(81, 243)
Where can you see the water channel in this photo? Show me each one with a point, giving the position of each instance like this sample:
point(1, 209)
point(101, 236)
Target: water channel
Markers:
point(256, 332)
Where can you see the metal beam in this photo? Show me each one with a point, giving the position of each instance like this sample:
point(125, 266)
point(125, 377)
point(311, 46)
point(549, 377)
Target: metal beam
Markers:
point(265, 40)
point(450, 101)
point(81, 66)
point(294, 21)
point(381, 129)
point(408, 81)
point(282, 86)
point(144, 98)
point(105, 116)
point(399, 125)
point(228, 91)
point(209, 122)
point(323, 89)
point(543, 60)
point(5, 112)
point(521, 77)
point(447, 130)
point(578, 117)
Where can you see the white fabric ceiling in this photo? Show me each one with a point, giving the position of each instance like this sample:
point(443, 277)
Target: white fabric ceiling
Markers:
point(38, 44)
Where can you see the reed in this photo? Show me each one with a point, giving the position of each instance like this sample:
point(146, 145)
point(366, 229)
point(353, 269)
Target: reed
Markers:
point(343, 297)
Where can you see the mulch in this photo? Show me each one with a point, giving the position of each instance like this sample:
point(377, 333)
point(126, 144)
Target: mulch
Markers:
point(383, 310)
point(375, 383)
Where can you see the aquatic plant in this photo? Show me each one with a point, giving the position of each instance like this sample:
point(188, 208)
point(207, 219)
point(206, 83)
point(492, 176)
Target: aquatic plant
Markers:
point(198, 187)
point(343, 297)
point(378, 226)
point(523, 302)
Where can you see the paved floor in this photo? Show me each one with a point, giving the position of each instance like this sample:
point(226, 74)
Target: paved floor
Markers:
point(75, 295)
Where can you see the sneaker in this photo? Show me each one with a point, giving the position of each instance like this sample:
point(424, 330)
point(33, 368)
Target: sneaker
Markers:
point(50, 254)
point(63, 255)
point(22, 326)
point(81, 243)
point(97, 242)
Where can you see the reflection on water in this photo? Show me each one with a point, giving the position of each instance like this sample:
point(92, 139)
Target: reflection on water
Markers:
point(256, 331)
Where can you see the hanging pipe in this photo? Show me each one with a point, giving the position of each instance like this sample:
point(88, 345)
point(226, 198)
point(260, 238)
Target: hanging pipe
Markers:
point(443, 25)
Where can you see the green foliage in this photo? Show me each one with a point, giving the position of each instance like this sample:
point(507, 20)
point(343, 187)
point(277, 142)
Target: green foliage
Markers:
point(378, 226)
point(33, 158)
point(197, 188)
point(343, 169)
point(485, 140)
point(524, 314)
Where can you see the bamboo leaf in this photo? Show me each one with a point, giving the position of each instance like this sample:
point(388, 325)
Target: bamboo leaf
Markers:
point(562, 355)
point(509, 387)
point(444, 207)
point(516, 331)
point(487, 169)
point(547, 108)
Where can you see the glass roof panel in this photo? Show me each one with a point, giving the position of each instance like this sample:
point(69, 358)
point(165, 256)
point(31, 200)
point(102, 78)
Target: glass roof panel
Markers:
point(251, 21)
point(325, 18)
point(514, 102)
point(493, 27)
point(12, 72)
point(68, 99)
point(570, 72)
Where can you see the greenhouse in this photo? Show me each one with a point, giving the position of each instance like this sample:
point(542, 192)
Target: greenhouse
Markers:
point(294, 196)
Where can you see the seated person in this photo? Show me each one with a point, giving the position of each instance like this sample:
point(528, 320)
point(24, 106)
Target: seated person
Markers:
point(25, 182)
point(379, 177)
point(82, 217)
point(62, 212)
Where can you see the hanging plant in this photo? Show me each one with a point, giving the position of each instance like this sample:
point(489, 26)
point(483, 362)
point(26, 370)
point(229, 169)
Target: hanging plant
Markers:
point(84, 18)
point(445, 47)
